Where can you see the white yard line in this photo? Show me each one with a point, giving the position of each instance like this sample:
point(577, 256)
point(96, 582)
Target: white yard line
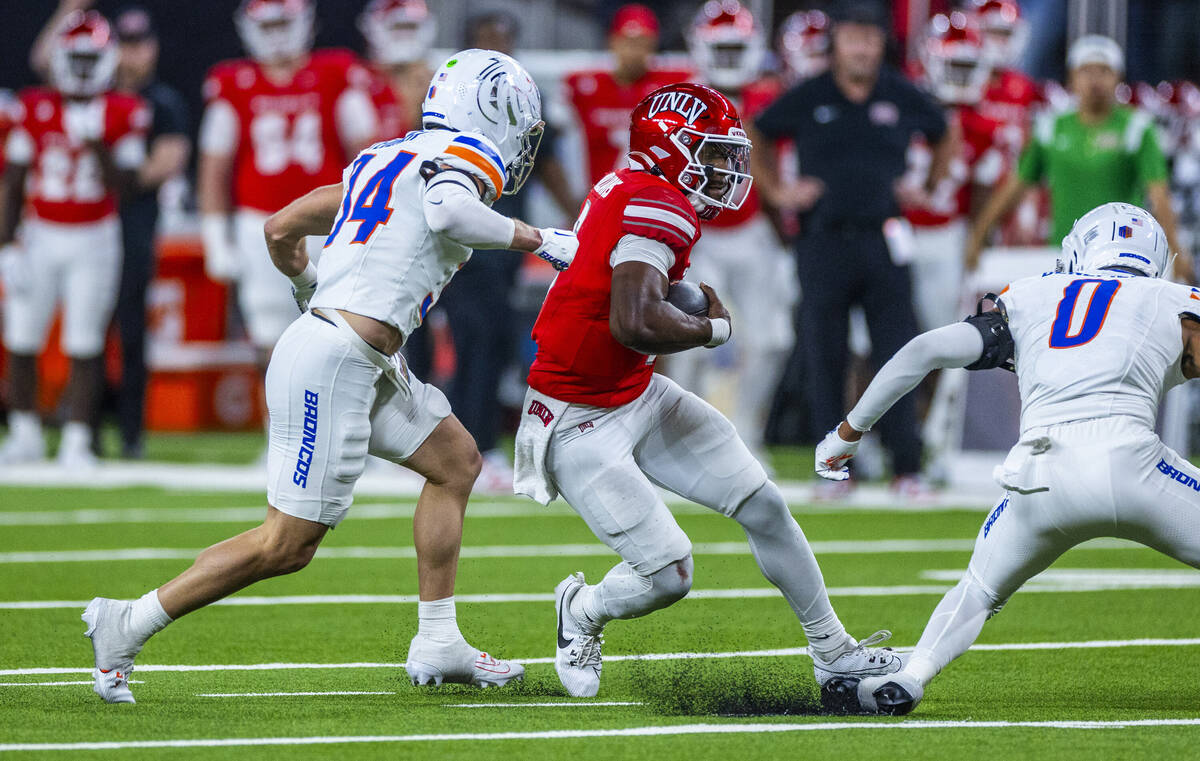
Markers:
point(563, 734)
point(54, 684)
point(1101, 644)
point(283, 694)
point(597, 704)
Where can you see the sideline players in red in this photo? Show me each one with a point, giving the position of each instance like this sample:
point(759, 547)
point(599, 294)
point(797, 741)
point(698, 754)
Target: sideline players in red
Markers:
point(399, 35)
point(276, 125)
point(73, 150)
point(740, 254)
point(602, 429)
point(603, 100)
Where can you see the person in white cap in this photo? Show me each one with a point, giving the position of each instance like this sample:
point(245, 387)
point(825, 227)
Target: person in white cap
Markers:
point(1095, 152)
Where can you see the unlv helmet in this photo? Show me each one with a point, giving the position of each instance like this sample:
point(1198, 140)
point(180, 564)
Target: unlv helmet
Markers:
point(804, 43)
point(1004, 31)
point(398, 31)
point(275, 30)
point(691, 135)
point(84, 56)
point(726, 44)
point(952, 54)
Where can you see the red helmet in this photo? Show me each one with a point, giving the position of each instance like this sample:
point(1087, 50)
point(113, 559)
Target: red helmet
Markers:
point(275, 30)
point(398, 31)
point(84, 57)
point(956, 68)
point(726, 44)
point(1004, 31)
point(804, 43)
point(691, 135)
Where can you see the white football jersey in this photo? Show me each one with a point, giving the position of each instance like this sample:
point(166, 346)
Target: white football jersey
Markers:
point(381, 259)
point(1095, 345)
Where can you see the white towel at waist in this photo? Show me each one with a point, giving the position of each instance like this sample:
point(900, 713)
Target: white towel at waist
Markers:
point(539, 417)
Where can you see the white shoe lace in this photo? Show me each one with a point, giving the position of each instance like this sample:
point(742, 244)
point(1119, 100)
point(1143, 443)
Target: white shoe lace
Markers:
point(587, 651)
point(866, 646)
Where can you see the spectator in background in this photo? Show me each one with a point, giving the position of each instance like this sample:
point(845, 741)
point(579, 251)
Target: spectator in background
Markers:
point(168, 149)
point(72, 155)
point(851, 127)
point(478, 302)
point(603, 100)
point(1094, 153)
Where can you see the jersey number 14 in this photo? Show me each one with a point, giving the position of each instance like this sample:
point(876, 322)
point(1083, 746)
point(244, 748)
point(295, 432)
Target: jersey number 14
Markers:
point(1081, 312)
point(369, 207)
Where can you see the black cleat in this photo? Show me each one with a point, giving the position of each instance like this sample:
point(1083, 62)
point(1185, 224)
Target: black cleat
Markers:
point(840, 696)
point(893, 699)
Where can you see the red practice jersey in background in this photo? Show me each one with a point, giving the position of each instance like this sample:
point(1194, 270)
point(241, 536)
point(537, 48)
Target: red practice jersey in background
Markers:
point(578, 360)
point(288, 141)
point(603, 107)
point(751, 101)
point(66, 181)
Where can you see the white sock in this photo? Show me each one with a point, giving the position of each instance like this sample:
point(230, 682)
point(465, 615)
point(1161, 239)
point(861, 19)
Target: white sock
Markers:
point(76, 437)
point(147, 616)
point(436, 621)
point(24, 424)
point(827, 637)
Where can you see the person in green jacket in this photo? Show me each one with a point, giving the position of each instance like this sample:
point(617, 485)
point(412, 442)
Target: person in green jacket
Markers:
point(1096, 152)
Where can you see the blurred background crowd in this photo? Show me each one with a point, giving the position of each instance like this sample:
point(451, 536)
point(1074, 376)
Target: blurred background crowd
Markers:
point(910, 156)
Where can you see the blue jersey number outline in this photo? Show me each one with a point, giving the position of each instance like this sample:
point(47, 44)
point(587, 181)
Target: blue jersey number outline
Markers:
point(370, 209)
point(1095, 313)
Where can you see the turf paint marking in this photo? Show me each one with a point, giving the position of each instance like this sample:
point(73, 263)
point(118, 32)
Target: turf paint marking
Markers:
point(593, 549)
point(1102, 644)
point(562, 734)
point(288, 694)
point(53, 684)
point(597, 704)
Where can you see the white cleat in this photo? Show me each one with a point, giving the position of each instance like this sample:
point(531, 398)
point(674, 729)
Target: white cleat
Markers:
point(577, 659)
point(895, 694)
point(77, 460)
point(114, 648)
point(862, 661)
point(436, 663)
point(17, 450)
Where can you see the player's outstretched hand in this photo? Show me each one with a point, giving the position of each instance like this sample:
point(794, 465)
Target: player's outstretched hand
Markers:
point(832, 455)
point(558, 247)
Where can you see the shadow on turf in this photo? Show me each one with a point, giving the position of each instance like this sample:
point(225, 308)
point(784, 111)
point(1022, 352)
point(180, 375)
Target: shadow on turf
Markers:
point(735, 687)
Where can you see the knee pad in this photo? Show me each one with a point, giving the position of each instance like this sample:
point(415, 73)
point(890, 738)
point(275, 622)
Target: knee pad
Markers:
point(671, 584)
point(764, 510)
point(973, 586)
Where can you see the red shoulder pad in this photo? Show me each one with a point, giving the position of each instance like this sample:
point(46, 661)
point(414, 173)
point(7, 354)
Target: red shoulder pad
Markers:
point(661, 212)
point(220, 80)
point(126, 113)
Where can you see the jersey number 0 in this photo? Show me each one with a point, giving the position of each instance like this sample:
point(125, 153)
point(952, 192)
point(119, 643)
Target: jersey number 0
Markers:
point(1081, 312)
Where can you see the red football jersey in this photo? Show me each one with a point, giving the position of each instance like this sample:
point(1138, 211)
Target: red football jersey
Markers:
point(603, 107)
point(66, 182)
point(389, 107)
point(578, 360)
point(751, 101)
point(978, 163)
point(1009, 103)
point(288, 141)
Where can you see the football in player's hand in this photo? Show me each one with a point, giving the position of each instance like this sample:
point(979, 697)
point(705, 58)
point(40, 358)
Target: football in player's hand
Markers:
point(687, 298)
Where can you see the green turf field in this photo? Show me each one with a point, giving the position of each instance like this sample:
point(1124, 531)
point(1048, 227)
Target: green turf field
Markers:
point(61, 547)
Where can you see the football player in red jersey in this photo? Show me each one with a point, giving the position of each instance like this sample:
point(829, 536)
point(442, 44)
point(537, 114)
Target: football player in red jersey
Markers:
point(75, 147)
point(804, 44)
point(602, 429)
point(603, 100)
point(399, 35)
point(276, 125)
point(740, 253)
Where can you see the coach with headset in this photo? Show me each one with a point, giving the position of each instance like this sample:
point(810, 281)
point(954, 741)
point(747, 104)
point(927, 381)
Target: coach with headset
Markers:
point(851, 127)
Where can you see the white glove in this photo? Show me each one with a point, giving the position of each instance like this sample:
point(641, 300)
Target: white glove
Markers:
point(84, 121)
point(304, 286)
point(14, 269)
point(558, 247)
point(221, 260)
point(832, 455)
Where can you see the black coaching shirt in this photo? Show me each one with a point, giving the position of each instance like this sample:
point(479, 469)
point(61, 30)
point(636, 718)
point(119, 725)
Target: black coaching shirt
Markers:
point(856, 149)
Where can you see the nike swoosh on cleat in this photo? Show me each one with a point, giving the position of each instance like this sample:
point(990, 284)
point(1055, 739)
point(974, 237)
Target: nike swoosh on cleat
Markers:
point(563, 643)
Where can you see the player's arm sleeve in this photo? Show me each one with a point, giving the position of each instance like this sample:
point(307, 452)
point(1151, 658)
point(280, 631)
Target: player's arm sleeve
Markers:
point(452, 208)
point(661, 214)
point(19, 148)
point(956, 345)
point(129, 152)
point(219, 129)
point(1141, 140)
point(1031, 166)
point(357, 121)
point(634, 248)
point(478, 157)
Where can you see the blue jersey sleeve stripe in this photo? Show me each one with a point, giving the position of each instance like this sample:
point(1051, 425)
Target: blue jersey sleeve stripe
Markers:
point(483, 148)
